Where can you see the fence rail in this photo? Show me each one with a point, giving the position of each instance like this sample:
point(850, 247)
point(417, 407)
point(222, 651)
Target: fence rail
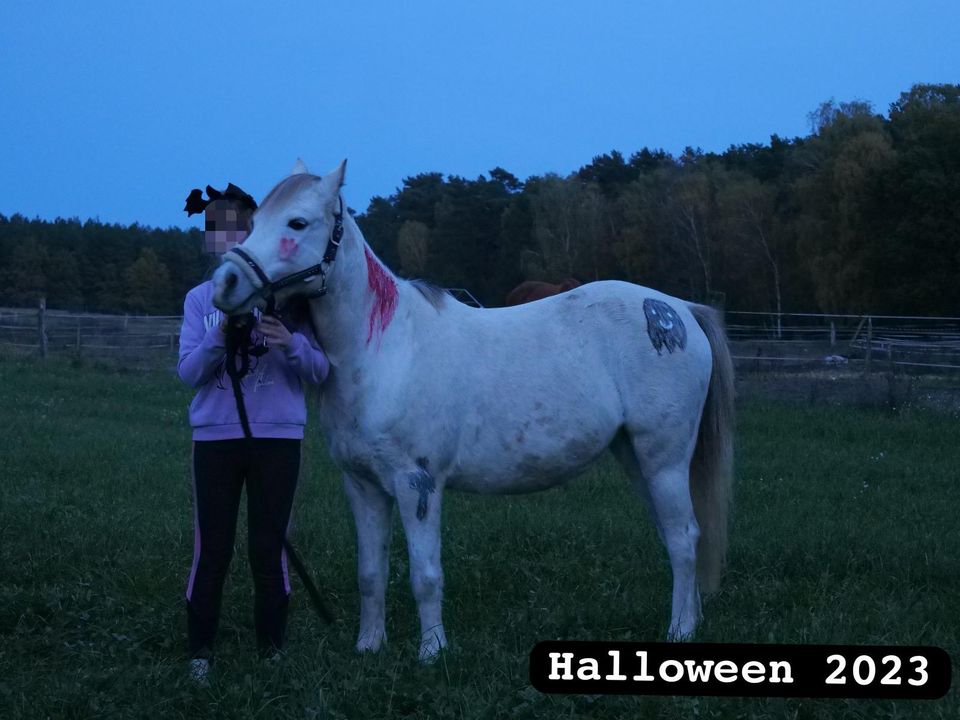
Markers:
point(758, 341)
point(138, 340)
point(868, 343)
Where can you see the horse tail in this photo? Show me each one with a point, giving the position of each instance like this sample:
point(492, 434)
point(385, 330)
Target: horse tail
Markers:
point(711, 469)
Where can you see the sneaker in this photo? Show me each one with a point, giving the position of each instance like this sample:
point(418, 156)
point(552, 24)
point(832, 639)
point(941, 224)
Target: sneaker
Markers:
point(198, 669)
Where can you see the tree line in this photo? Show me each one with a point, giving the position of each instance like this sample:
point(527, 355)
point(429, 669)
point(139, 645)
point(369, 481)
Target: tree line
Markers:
point(98, 267)
point(860, 215)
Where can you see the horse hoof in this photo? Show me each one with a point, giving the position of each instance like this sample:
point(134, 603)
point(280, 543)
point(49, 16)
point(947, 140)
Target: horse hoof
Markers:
point(426, 660)
point(370, 643)
point(431, 645)
point(677, 634)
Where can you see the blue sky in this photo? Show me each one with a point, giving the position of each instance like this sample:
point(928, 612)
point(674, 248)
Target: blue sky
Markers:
point(117, 110)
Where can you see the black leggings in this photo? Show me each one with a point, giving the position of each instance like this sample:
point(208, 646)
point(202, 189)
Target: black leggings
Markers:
point(270, 468)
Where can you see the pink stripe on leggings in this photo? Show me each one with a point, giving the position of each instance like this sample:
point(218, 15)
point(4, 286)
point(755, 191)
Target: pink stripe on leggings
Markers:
point(196, 532)
point(283, 550)
point(283, 557)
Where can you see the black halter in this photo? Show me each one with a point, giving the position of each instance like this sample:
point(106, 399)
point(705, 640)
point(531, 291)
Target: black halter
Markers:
point(269, 289)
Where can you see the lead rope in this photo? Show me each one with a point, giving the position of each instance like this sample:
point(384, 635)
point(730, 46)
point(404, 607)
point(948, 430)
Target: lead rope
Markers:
point(238, 344)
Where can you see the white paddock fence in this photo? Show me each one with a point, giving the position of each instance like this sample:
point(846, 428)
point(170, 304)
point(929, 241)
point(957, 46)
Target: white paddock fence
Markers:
point(865, 343)
point(760, 342)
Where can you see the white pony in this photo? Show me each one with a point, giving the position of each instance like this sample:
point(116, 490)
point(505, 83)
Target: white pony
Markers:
point(426, 393)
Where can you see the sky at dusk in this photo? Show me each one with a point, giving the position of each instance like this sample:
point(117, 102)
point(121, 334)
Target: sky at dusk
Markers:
point(116, 110)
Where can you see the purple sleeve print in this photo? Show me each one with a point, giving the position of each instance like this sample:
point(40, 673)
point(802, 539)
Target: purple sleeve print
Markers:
point(201, 350)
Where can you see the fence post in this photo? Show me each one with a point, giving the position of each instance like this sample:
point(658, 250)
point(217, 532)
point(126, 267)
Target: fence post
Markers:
point(78, 335)
point(42, 327)
point(833, 333)
point(869, 353)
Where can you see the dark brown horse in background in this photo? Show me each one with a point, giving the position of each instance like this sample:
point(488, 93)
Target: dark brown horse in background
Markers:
point(530, 290)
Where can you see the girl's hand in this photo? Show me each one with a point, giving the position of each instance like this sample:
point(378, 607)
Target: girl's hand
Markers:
point(274, 331)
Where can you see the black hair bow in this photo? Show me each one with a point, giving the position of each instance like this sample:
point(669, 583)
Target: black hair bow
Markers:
point(196, 203)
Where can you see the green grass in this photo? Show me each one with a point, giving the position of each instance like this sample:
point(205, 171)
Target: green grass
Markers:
point(845, 531)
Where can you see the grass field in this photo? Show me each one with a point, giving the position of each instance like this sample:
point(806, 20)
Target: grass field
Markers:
point(845, 531)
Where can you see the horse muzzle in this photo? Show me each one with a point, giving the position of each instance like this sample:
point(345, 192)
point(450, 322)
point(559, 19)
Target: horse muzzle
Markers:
point(233, 291)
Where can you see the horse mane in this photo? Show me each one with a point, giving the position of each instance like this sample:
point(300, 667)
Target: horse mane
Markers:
point(288, 187)
point(433, 294)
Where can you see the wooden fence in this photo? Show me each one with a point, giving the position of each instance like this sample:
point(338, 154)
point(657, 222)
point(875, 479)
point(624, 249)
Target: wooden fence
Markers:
point(759, 341)
point(137, 340)
point(865, 343)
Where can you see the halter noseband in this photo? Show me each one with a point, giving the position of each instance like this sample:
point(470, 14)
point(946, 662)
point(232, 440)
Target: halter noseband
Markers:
point(267, 289)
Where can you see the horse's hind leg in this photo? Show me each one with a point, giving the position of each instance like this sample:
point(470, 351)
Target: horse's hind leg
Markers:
point(660, 471)
point(372, 511)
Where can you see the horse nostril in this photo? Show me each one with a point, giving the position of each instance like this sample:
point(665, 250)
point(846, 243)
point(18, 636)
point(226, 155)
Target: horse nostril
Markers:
point(231, 281)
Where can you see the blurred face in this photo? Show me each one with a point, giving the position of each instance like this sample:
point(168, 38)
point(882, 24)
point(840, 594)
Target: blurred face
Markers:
point(227, 225)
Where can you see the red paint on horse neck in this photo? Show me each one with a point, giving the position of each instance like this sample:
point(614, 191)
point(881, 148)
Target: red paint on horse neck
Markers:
point(384, 291)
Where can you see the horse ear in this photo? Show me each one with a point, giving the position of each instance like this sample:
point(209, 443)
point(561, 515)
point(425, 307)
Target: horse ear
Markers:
point(341, 173)
point(299, 168)
point(331, 183)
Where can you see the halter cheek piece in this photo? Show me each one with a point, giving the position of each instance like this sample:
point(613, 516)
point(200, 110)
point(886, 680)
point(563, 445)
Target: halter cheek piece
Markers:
point(267, 289)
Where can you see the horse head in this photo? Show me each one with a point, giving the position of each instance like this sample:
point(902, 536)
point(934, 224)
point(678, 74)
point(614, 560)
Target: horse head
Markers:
point(288, 250)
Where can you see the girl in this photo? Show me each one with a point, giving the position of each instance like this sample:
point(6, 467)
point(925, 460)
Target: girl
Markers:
point(223, 461)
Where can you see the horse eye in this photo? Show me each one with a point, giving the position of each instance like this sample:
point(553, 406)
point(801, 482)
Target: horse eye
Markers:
point(297, 224)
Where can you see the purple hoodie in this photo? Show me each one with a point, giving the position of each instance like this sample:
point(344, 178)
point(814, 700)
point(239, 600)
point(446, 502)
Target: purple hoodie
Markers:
point(272, 390)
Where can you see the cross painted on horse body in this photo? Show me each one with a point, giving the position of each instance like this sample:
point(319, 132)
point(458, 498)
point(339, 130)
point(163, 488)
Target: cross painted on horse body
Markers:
point(427, 394)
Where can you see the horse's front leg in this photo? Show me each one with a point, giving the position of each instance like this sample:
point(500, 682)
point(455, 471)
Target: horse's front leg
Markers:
point(372, 510)
point(418, 497)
